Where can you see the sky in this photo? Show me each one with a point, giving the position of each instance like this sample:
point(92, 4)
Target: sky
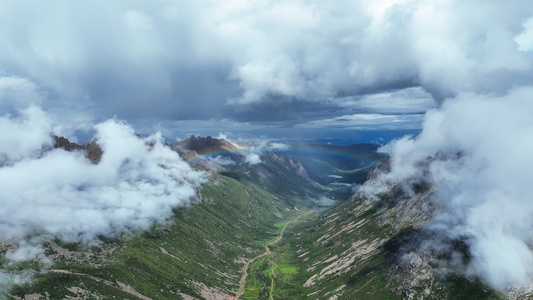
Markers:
point(292, 68)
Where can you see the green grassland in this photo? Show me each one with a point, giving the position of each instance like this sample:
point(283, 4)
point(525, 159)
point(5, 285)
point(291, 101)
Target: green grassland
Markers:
point(365, 279)
point(343, 252)
point(203, 245)
point(316, 246)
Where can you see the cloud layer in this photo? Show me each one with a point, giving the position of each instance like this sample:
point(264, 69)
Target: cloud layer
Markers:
point(271, 62)
point(486, 190)
point(48, 193)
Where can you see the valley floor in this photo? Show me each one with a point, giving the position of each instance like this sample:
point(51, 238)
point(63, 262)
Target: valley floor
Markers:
point(198, 254)
point(269, 257)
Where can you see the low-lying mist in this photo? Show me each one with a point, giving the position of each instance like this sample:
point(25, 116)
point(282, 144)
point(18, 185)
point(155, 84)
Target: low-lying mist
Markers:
point(50, 193)
point(484, 187)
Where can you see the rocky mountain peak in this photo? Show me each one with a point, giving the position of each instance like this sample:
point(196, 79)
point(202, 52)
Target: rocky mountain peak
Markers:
point(203, 145)
point(92, 151)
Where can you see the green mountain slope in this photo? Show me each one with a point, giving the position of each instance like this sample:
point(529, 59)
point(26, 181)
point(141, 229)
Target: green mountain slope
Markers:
point(254, 232)
point(200, 252)
point(370, 248)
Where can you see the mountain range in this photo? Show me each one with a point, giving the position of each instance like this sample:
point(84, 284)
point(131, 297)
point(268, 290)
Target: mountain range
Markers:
point(301, 222)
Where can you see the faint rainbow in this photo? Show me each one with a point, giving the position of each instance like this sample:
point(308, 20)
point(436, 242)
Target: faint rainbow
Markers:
point(213, 154)
point(316, 152)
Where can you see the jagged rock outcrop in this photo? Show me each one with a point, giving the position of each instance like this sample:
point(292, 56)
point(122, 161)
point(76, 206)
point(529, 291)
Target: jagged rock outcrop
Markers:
point(205, 145)
point(377, 170)
point(422, 261)
point(92, 151)
point(388, 229)
point(281, 161)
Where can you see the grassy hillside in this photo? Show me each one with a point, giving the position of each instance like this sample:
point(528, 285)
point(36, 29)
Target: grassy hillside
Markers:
point(356, 251)
point(327, 254)
point(254, 230)
point(199, 253)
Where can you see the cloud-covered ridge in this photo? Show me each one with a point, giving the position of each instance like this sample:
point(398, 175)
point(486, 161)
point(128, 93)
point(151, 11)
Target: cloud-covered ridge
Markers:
point(54, 193)
point(484, 185)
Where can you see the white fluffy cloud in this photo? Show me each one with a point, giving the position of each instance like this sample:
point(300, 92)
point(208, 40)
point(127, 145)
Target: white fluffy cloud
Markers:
point(444, 46)
point(486, 192)
point(253, 159)
point(24, 136)
point(62, 194)
point(525, 39)
point(168, 59)
point(17, 91)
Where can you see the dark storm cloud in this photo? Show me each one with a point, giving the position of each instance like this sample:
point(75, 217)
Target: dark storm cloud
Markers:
point(283, 110)
point(192, 92)
point(128, 58)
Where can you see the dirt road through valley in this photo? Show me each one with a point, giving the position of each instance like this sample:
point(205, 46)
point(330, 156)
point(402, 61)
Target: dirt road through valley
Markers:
point(242, 282)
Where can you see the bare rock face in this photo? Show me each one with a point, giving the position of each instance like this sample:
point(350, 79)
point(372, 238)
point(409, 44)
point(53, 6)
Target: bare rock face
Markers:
point(92, 151)
point(421, 259)
point(292, 166)
point(205, 145)
point(377, 170)
point(63, 143)
point(408, 211)
point(300, 169)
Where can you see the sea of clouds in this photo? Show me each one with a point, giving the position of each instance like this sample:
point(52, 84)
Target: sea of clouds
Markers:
point(51, 193)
